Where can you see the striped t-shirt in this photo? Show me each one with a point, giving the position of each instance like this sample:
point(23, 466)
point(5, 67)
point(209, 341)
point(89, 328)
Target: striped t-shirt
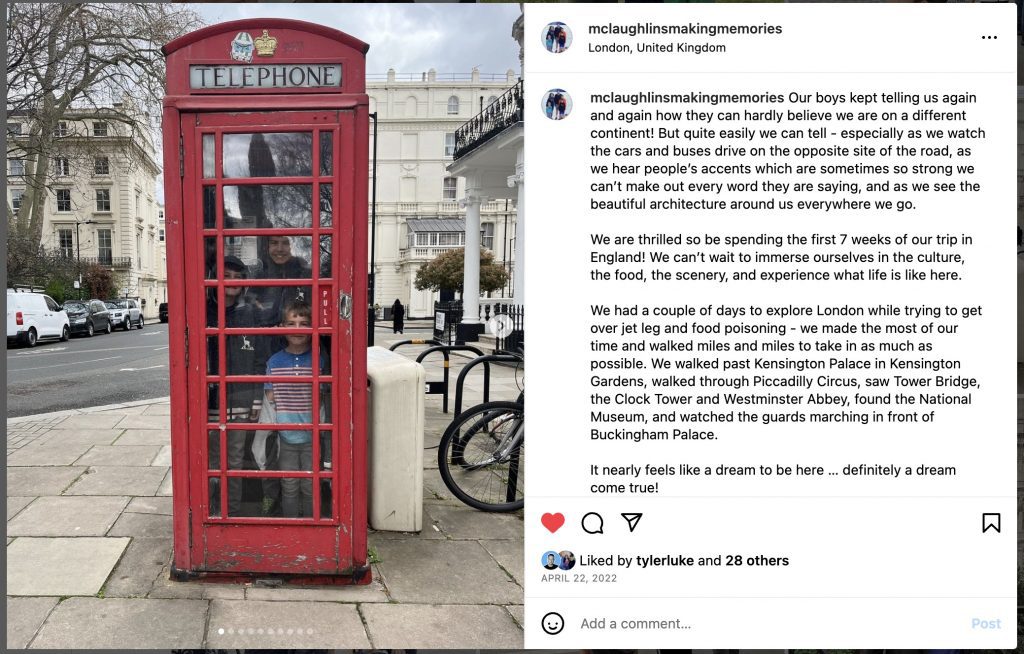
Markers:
point(293, 402)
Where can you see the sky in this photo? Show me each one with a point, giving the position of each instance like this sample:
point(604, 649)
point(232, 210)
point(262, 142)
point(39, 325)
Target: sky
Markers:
point(409, 37)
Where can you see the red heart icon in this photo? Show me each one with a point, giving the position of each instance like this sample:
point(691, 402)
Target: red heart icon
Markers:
point(553, 521)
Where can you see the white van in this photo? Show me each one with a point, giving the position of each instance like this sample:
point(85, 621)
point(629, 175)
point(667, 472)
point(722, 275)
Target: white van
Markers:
point(32, 316)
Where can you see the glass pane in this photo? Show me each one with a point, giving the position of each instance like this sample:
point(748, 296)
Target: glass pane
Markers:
point(326, 451)
point(270, 302)
point(210, 257)
point(326, 153)
point(326, 503)
point(326, 205)
point(214, 503)
point(268, 155)
point(212, 402)
point(209, 207)
point(296, 494)
point(325, 257)
point(265, 205)
point(246, 354)
point(209, 158)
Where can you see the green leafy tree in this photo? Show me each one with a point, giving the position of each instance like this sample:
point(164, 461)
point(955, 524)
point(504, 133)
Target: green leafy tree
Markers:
point(447, 271)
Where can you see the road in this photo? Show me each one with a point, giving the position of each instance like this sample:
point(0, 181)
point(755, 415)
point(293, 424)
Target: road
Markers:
point(84, 372)
point(104, 369)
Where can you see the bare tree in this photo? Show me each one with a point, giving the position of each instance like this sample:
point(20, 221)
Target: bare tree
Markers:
point(82, 60)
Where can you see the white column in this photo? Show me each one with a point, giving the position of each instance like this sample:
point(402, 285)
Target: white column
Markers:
point(518, 181)
point(471, 272)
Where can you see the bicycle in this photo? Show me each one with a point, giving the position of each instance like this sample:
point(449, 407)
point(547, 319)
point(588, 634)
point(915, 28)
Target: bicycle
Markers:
point(481, 456)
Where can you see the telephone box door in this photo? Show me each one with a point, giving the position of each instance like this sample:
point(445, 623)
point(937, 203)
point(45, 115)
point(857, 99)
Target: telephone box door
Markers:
point(268, 207)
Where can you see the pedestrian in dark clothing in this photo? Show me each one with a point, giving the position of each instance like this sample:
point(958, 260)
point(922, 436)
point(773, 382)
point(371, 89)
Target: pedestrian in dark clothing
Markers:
point(280, 264)
point(398, 317)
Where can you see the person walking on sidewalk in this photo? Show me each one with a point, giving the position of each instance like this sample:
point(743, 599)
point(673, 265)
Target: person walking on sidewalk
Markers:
point(398, 317)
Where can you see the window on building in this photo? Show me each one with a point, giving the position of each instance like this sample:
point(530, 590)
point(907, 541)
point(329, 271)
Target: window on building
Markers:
point(491, 100)
point(62, 129)
point(66, 242)
point(106, 251)
point(13, 129)
point(138, 204)
point(487, 235)
point(99, 128)
point(103, 199)
point(16, 167)
point(61, 166)
point(138, 250)
point(63, 199)
point(449, 144)
point(101, 165)
point(449, 239)
point(453, 105)
point(450, 188)
point(16, 195)
point(161, 234)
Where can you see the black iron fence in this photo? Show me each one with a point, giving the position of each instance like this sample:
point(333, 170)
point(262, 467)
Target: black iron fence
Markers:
point(504, 112)
point(508, 327)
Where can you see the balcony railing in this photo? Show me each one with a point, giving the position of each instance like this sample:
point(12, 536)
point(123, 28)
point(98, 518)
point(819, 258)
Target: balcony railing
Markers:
point(493, 120)
point(112, 262)
point(425, 253)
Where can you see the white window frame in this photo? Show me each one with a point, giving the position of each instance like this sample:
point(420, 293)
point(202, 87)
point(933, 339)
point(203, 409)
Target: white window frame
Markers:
point(16, 166)
point(67, 249)
point(100, 192)
point(487, 236)
point(96, 167)
point(449, 144)
point(450, 188)
point(67, 200)
point(97, 130)
point(62, 129)
point(109, 246)
point(62, 166)
point(16, 196)
point(453, 105)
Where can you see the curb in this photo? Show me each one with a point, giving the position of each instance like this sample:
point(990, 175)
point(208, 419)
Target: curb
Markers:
point(86, 410)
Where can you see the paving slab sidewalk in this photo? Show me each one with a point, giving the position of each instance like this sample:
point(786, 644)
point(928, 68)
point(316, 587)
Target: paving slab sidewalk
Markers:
point(89, 549)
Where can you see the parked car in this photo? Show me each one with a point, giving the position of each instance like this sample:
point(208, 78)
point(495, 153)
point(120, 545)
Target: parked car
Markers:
point(88, 317)
point(125, 313)
point(163, 312)
point(32, 316)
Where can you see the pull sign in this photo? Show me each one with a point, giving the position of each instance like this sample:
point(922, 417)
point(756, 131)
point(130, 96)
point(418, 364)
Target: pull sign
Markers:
point(326, 313)
point(344, 306)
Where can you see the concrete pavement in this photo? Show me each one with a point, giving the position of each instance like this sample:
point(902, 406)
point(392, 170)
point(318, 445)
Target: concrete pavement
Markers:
point(89, 545)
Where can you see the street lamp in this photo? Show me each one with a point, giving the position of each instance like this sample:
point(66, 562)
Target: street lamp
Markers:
point(78, 246)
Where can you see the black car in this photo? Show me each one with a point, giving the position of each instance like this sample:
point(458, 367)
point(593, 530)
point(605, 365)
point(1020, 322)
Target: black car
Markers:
point(88, 317)
point(163, 312)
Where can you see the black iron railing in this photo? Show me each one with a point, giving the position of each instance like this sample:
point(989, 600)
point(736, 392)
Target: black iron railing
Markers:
point(510, 331)
point(493, 120)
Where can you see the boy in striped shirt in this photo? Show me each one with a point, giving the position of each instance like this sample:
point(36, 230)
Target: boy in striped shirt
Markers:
point(294, 404)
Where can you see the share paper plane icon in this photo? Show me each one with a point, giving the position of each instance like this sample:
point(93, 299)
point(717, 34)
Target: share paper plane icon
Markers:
point(632, 519)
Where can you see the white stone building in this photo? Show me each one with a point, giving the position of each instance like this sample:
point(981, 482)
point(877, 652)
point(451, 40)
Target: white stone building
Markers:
point(418, 210)
point(101, 206)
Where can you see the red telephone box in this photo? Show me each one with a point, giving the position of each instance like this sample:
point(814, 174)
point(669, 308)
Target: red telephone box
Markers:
point(265, 133)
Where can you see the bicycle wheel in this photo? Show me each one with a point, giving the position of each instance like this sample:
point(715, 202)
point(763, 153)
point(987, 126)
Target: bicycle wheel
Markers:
point(480, 457)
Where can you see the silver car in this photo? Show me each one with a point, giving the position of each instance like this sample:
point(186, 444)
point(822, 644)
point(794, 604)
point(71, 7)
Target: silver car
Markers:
point(125, 313)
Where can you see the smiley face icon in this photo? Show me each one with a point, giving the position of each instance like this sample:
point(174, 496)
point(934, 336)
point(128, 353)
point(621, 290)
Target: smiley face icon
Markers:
point(552, 623)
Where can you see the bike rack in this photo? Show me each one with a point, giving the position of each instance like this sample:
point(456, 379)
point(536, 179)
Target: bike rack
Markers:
point(441, 387)
point(415, 341)
point(497, 358)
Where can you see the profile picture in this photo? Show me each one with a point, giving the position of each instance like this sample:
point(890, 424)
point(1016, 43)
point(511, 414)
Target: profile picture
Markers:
point(557, 37)
point(557, 104)
point(550, 560)
point(567, 560)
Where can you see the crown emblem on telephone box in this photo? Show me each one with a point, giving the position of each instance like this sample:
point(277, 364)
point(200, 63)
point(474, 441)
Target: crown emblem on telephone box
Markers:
point(265, 45)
